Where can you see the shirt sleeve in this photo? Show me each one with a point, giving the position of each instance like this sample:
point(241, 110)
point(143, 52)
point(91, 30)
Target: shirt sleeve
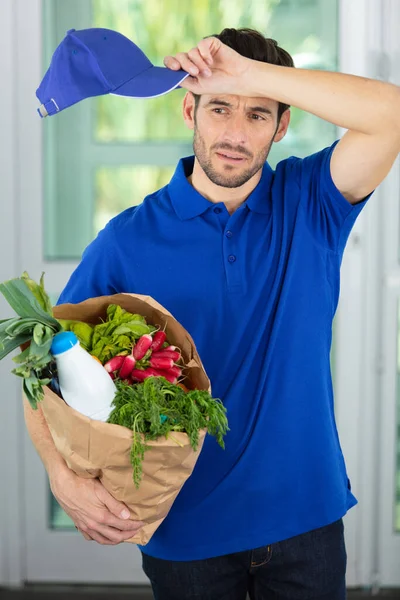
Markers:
point(97, 274)
point(330, 217)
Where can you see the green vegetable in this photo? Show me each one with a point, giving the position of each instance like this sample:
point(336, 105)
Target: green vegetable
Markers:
point(144, 406)
point(118, 333)
point(38, 291)
point(84, 333)
point(35, 325)
point(24, 303)
point(135, 327)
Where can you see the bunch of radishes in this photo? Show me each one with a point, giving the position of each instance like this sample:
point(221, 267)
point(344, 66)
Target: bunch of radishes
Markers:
point(148, 358)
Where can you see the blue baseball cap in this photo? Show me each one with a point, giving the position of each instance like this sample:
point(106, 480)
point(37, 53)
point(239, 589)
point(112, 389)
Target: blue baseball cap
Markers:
point(96, 61)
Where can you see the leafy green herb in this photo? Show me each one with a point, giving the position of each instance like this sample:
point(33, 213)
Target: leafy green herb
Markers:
point(144, 406)
point(118, 333)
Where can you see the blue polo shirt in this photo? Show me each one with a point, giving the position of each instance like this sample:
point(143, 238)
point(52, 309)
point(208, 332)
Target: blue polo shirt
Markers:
point(257, 290)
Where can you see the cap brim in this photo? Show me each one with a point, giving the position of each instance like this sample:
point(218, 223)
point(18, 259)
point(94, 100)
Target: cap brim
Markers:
point(155, 81)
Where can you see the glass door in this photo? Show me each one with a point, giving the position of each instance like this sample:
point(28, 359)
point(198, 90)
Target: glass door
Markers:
point(55, 552)
point(81, 167)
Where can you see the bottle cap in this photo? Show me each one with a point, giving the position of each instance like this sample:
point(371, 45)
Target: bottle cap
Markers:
point(62, 342)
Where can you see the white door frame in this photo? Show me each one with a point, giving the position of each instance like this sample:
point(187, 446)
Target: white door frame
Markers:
point(370, 287)
point(388, 572)
point(376, 546)
point(357, 353)
point(11, 455)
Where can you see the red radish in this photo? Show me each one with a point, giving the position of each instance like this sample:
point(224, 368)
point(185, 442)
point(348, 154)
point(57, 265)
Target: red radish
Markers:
point(138, 375)
point(167, 354)
point(152, 372)
point(127, 367)
point(113, 375)
point(161, 362)
point(141, 375)
point(176, 371)
point(114, 364)
point(142, 345)
point(158, 340)
point(171, 349)
point(167, 374)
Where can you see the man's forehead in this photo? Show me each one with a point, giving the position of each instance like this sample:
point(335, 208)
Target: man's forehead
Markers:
point(235, 100)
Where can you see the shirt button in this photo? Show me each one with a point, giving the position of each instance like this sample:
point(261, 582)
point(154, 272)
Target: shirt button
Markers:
point(217, 210)
point(229, 234)
point(232, 258)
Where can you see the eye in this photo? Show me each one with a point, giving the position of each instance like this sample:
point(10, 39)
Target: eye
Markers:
point(214, 109)
point(258, 117)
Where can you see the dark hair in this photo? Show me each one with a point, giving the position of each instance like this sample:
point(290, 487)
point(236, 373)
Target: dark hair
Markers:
point(252, 44)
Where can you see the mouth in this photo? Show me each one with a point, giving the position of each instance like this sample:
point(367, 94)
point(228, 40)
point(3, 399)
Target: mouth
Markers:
point(231, 158)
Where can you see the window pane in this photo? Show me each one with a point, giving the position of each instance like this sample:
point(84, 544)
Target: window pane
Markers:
point(58, 518)
point(98, 140)
point(299, 26)
point(118, 188)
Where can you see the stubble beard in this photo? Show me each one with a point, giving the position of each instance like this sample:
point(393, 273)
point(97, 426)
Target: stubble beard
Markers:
point(228, 176)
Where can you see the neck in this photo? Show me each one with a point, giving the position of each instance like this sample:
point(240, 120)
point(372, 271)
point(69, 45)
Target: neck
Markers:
point(231, 197)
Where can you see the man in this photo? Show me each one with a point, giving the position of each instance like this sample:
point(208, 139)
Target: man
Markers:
point(248, 259)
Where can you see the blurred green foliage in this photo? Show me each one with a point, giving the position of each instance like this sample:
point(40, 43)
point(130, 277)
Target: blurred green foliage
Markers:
point(117, 188)
point(165, 28)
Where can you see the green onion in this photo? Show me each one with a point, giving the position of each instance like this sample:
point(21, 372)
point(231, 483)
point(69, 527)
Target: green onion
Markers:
point(36, 325)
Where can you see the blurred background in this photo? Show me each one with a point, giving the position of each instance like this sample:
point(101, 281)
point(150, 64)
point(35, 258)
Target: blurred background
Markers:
point(64, 177)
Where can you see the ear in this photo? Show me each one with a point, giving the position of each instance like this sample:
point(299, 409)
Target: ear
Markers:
point(188, 110)
point(283, 126)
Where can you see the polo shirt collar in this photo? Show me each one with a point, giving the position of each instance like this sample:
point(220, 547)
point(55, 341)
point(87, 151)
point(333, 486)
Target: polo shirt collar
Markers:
point(189, 203)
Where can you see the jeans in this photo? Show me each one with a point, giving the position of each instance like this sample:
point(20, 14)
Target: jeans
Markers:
point(304, 567)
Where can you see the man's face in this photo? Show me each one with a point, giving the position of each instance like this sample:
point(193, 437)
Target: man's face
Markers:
point(239, 126)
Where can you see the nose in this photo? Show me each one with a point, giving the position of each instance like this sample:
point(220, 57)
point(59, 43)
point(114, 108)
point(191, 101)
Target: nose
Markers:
point(235, 132)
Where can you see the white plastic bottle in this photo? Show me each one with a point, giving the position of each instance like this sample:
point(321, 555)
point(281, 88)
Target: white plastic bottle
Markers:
point(85, 384)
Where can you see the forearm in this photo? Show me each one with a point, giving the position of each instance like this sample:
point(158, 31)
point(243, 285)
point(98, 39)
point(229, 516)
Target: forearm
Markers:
point(42, 440)
point(348, 101)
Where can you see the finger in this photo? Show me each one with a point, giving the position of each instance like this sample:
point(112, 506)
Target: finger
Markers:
point(117, 508)
point(86, 536)
point(110, 533)
point(191, 84)
point(186, 64)
point(197, 59)
point(206, 55)
point(100, 539)
point(208, 47)
point(107, 518)
point(115, 534)
point(171, 63)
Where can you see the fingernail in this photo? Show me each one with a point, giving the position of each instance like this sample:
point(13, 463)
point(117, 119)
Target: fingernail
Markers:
point(207, 72)
point(125, 514)
point(194, 70)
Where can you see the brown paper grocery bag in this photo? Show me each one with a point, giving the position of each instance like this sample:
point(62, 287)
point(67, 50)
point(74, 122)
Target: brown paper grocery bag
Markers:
point(96, 449)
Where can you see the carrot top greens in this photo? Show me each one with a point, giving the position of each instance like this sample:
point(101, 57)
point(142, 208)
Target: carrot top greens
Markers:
point(156, 408)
